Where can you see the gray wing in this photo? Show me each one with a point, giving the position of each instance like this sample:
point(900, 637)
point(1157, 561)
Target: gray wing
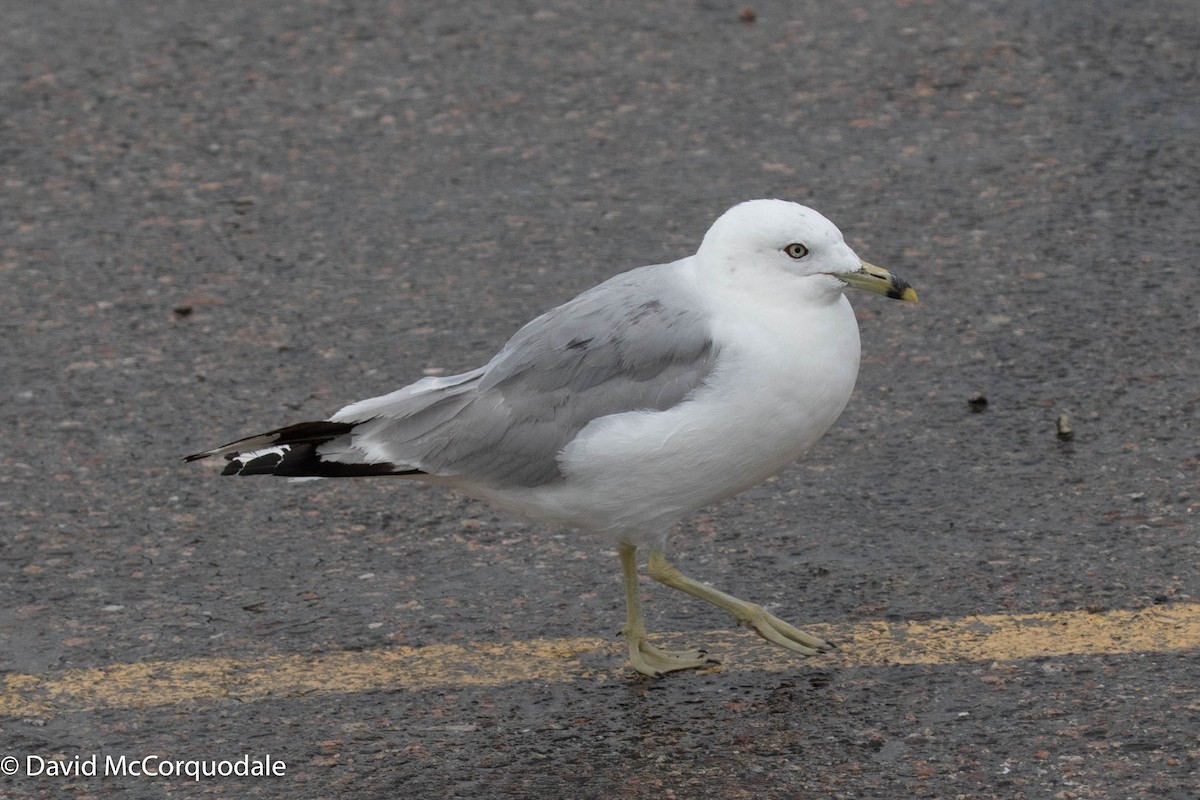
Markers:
point(635, 342)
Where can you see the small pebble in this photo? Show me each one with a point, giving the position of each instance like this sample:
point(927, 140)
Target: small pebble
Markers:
point(977, 403)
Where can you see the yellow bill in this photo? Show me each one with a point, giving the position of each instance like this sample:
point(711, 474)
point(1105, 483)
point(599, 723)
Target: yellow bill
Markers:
point(879, 280)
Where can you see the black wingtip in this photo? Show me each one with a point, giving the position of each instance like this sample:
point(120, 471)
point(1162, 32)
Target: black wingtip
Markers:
point(266, 464)
point(315, 432)
point(293, 454)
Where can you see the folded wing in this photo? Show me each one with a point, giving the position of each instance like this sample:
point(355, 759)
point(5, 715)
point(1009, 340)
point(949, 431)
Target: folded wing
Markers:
point(621, 346)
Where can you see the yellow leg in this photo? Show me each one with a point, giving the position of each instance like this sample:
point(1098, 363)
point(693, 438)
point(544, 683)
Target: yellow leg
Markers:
point(768, 626)
point(645, 657)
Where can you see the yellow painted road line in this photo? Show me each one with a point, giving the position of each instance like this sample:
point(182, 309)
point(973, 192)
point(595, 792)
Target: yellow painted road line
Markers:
point(1161, 629)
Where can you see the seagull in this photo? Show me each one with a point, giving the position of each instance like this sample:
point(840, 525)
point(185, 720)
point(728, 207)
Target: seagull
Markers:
point(658, 392)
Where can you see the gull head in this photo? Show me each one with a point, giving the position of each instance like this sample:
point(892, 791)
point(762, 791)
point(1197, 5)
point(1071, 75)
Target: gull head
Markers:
point(783, 238)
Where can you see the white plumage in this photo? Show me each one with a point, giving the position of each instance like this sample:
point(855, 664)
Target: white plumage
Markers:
point(647, 397)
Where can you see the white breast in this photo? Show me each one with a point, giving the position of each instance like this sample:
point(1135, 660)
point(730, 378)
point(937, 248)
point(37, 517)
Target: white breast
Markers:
point(776, 389)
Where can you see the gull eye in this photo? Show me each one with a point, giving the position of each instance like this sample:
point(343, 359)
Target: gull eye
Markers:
point(796, 250)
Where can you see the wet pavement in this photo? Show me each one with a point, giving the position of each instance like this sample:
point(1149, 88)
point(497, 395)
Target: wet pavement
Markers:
point(214, 221)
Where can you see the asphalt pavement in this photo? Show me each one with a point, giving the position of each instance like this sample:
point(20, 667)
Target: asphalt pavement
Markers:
point(219, 218)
